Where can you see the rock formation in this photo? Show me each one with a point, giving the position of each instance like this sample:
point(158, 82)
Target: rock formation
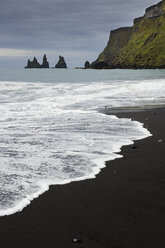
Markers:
point(33, 64)
point(154, 11)
point(45, 63)
point(86, 65)
point(61, 63)
point(137, 47)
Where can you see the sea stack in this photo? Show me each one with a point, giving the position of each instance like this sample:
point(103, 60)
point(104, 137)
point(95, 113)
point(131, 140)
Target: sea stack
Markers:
point(61, 63)
point(45, 63)
point(86, 65)
point(33, 64)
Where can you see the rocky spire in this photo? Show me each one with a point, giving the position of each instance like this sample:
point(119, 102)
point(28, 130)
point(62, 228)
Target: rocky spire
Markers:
point(45, 63)
point(33, 64)
point(61, 63)
point(28, 63)
point(86, 65)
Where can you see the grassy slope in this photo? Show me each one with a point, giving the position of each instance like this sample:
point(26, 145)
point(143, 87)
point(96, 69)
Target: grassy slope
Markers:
point(118, 39)
point(145, 48)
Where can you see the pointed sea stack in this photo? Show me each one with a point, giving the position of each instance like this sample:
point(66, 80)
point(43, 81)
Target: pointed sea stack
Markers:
point(45, 63)
point(61, 63)
point(33, 64)
point(28, 64)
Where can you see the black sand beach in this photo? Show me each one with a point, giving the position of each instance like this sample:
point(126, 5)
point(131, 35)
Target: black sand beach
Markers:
point(124, 207)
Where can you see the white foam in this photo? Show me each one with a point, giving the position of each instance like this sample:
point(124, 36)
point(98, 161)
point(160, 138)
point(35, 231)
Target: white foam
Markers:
point(52, 134)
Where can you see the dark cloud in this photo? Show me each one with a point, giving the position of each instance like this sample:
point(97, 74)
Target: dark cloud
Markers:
point(79, 29)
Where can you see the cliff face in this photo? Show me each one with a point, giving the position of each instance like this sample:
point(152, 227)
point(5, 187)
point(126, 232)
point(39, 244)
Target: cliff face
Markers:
point(140, 46)
point(154, 11)
point(118, 39)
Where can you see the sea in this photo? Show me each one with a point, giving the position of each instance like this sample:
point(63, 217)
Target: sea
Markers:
point(54, 126)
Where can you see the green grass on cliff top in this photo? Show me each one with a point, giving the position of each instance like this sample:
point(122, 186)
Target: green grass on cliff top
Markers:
point(146, 46)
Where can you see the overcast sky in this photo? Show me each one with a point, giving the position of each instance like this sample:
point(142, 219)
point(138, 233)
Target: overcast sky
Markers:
point(75, 29)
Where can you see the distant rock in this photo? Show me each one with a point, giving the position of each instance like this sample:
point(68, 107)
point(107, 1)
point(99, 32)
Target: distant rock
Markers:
point(86, 65)
point(61, 63)
point(45, 63)
point(33, 64)
point(28, 64)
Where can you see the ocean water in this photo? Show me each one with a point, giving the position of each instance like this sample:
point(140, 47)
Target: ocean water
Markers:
point(53, 131)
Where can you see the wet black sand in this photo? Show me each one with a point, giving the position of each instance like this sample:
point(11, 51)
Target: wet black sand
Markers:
point(124, 207)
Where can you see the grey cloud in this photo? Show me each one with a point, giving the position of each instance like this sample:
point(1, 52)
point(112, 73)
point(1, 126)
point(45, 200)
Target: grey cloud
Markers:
point(65, 24)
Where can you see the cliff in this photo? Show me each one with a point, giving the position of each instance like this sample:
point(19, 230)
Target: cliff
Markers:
point(139, 46)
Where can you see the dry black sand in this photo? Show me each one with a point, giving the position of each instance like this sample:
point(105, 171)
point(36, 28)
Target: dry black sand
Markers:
point(124, 207)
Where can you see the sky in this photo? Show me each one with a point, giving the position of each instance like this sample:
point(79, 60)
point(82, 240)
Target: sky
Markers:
point(76, 29)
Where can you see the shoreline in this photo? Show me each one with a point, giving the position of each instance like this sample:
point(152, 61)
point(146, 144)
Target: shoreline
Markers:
point(100, 163)
point(122, 207)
